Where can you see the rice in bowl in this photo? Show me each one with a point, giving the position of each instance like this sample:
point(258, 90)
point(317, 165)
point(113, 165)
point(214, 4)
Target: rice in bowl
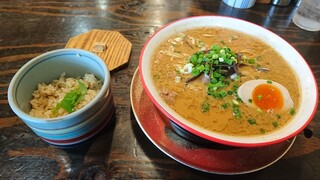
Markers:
point(47, 97)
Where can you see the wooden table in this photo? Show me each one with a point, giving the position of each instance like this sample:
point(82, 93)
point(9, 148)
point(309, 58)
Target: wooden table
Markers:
point(122, 151)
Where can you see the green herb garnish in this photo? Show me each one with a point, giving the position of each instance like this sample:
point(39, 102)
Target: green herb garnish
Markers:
point(225, 106)
point(205, 107)
point(275, 124)
point(259, 97)
point(156, 77)
point(251, 61)
point(72, 98)
point(292, 111)
point(252, 121)
point(221, 66)
point(236, 111)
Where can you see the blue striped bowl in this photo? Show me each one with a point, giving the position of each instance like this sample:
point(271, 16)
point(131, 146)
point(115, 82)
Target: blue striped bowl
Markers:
point(49, 66)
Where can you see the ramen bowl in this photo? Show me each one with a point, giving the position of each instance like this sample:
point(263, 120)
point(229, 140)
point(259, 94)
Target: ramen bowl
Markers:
point(74, 127)
point(305, 78)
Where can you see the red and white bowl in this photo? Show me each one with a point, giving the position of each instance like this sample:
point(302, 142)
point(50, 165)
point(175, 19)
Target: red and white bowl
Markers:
point(309, 91)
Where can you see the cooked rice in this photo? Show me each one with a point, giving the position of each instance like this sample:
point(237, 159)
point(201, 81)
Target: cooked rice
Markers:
point(47, 96)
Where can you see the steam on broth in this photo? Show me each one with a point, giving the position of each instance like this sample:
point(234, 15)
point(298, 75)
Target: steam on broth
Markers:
point(200, 73)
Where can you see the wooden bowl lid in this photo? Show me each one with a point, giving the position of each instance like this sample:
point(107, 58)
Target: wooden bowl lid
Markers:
point(111, 46)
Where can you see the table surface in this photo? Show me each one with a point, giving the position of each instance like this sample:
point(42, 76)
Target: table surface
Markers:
point(122, 151)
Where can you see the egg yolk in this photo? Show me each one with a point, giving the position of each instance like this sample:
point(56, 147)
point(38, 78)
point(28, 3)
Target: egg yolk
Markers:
point(267, 96)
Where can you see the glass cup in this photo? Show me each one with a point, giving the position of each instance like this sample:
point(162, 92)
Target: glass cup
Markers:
point(241, 4)
point(307, 15)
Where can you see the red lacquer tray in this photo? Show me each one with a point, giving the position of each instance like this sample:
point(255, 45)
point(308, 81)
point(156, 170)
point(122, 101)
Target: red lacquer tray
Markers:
point(216, 158)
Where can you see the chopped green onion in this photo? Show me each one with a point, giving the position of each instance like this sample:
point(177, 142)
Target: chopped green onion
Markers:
point(200, 67)
point(205, 107)
point(215, 47)
point(195, 72)
point(238, 99)
point(259, 97)
point(236, 112)
point(222, 78)
point(217, 63)
point(258, 66)
point(215, 56)
point(275, 124)
point(251, 61)
point(259, 110)
point(224, 106)
point(252, 121)
point(235, 102)
point(194, 59)
point(216, 74)
point(223, 93)
point(292, 111)
point(156, 77)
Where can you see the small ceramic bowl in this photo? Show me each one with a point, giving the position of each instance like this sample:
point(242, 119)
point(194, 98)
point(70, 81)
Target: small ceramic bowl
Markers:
point(307, 82)
point(49, 66)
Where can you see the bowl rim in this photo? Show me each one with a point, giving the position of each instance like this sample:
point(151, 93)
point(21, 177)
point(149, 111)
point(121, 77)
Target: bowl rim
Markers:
point(48, 55)
point(205, 135)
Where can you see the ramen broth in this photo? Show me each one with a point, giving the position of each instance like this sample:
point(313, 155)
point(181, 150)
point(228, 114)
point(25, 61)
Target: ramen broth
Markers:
point(192, 101)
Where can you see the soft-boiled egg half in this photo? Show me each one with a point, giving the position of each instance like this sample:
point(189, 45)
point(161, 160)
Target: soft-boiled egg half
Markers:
point(265, 95)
